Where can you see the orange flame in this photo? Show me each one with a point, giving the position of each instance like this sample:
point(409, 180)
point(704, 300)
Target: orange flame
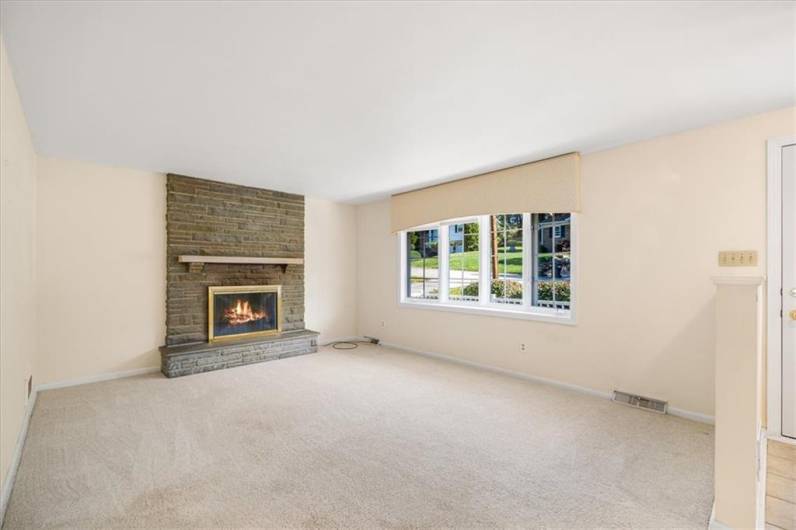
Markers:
point(241, 313)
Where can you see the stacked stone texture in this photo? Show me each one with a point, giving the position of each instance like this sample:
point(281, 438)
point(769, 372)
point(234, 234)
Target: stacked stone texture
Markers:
point(216, 219)
point(177, 361)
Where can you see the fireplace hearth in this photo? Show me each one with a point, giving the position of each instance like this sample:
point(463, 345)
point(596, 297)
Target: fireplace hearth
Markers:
point(187, 359)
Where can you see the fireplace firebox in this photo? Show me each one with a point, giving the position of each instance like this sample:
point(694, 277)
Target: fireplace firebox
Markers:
point(244, 311)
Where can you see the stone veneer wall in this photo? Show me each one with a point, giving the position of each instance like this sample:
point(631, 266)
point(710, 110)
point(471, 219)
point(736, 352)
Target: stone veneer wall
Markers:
point(216, 219)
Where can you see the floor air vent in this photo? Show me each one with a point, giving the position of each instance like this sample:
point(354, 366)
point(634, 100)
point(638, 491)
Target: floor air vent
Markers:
point(640, 402)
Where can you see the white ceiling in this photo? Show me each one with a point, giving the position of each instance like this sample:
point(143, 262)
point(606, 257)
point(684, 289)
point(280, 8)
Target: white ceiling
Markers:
point(351, 101)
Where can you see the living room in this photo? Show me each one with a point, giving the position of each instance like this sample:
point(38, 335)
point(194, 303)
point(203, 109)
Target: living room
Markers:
point(381, 264)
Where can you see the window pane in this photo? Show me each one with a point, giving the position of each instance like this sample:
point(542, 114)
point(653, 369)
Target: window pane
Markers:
point(422, 264)
point(562, 294)
point(562, 232)
point(414, 268)
point(544, 293)
point(431, 275)
point(562, 266)
point(544, 269)
point(553, 260)
point(464, 262)
point(506, 258)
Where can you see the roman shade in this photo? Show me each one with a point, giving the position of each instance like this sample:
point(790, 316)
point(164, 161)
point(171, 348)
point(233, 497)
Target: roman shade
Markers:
point(550, 185)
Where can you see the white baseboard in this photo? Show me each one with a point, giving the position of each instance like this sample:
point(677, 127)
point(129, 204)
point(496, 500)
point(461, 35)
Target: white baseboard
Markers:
point(762, 472)
point(8, 483)
point(695, 416)
point(714, 524)
point(97, 378)
point(341, 339)
point(502, 371)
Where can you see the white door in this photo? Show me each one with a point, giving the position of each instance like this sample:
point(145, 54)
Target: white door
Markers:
point(788, 291)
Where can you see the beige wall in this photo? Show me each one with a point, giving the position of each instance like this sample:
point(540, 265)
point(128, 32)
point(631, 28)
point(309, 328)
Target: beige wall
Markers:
point(17, 264)
point(102, 269)
point(330, 269)
point(654, 216)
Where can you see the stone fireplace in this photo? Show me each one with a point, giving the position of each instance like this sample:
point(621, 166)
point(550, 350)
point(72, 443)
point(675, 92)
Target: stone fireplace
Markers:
point(235, 276)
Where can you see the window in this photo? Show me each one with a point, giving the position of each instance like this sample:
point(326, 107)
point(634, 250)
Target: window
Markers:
point(464, 262)
point(506, 258)
point(552, 277)
point(422, 264)
point(519, 264)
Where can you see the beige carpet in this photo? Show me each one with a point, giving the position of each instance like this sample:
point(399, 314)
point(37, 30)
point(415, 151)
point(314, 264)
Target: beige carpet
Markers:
point(365, 438)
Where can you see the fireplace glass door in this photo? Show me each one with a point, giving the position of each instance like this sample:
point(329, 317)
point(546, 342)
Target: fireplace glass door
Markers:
point(244, 311)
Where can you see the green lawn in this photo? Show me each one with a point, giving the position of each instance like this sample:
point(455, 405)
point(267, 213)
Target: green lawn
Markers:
point(470, 262)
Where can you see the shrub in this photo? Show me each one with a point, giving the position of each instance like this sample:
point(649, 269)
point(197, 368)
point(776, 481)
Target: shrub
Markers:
point(506, 289)
point(471, 289)
point(545, 291)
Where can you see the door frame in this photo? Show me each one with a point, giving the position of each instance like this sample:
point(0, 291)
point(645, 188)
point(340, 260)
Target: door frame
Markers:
point(774, 289)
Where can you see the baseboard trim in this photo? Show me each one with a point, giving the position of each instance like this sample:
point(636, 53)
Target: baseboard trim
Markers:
point(97, 378)
point(693, 416)
point(713, 523)
point(342, 339)
point(502, 371)
point(762, 474)
point(8, 483)
point(687, 414)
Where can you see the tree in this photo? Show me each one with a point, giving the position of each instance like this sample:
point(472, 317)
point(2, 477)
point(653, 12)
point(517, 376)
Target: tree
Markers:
point(494, 244)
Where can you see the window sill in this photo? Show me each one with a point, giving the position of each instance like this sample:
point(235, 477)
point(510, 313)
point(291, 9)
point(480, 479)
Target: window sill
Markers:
point(553, 317)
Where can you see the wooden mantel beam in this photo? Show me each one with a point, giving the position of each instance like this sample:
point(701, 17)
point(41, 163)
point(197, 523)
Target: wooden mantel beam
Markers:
point(240, 259)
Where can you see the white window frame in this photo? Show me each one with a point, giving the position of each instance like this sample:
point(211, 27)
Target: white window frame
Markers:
point(402, 265)
point(524, 311)
point(444, 268)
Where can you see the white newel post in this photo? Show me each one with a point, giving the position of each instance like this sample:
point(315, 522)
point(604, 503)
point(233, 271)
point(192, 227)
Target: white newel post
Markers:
point(738, 402)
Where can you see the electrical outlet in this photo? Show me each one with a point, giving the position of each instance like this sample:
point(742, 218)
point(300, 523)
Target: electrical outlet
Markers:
point(737, 258)
point(522, 347)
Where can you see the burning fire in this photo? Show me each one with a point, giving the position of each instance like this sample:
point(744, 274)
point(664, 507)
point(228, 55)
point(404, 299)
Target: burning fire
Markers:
point(242, 313)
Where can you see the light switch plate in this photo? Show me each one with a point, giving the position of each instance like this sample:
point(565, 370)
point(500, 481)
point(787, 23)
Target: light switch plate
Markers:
point(737, 258)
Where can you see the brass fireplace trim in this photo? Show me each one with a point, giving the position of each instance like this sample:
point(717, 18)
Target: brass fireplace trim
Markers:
point(243, 289)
